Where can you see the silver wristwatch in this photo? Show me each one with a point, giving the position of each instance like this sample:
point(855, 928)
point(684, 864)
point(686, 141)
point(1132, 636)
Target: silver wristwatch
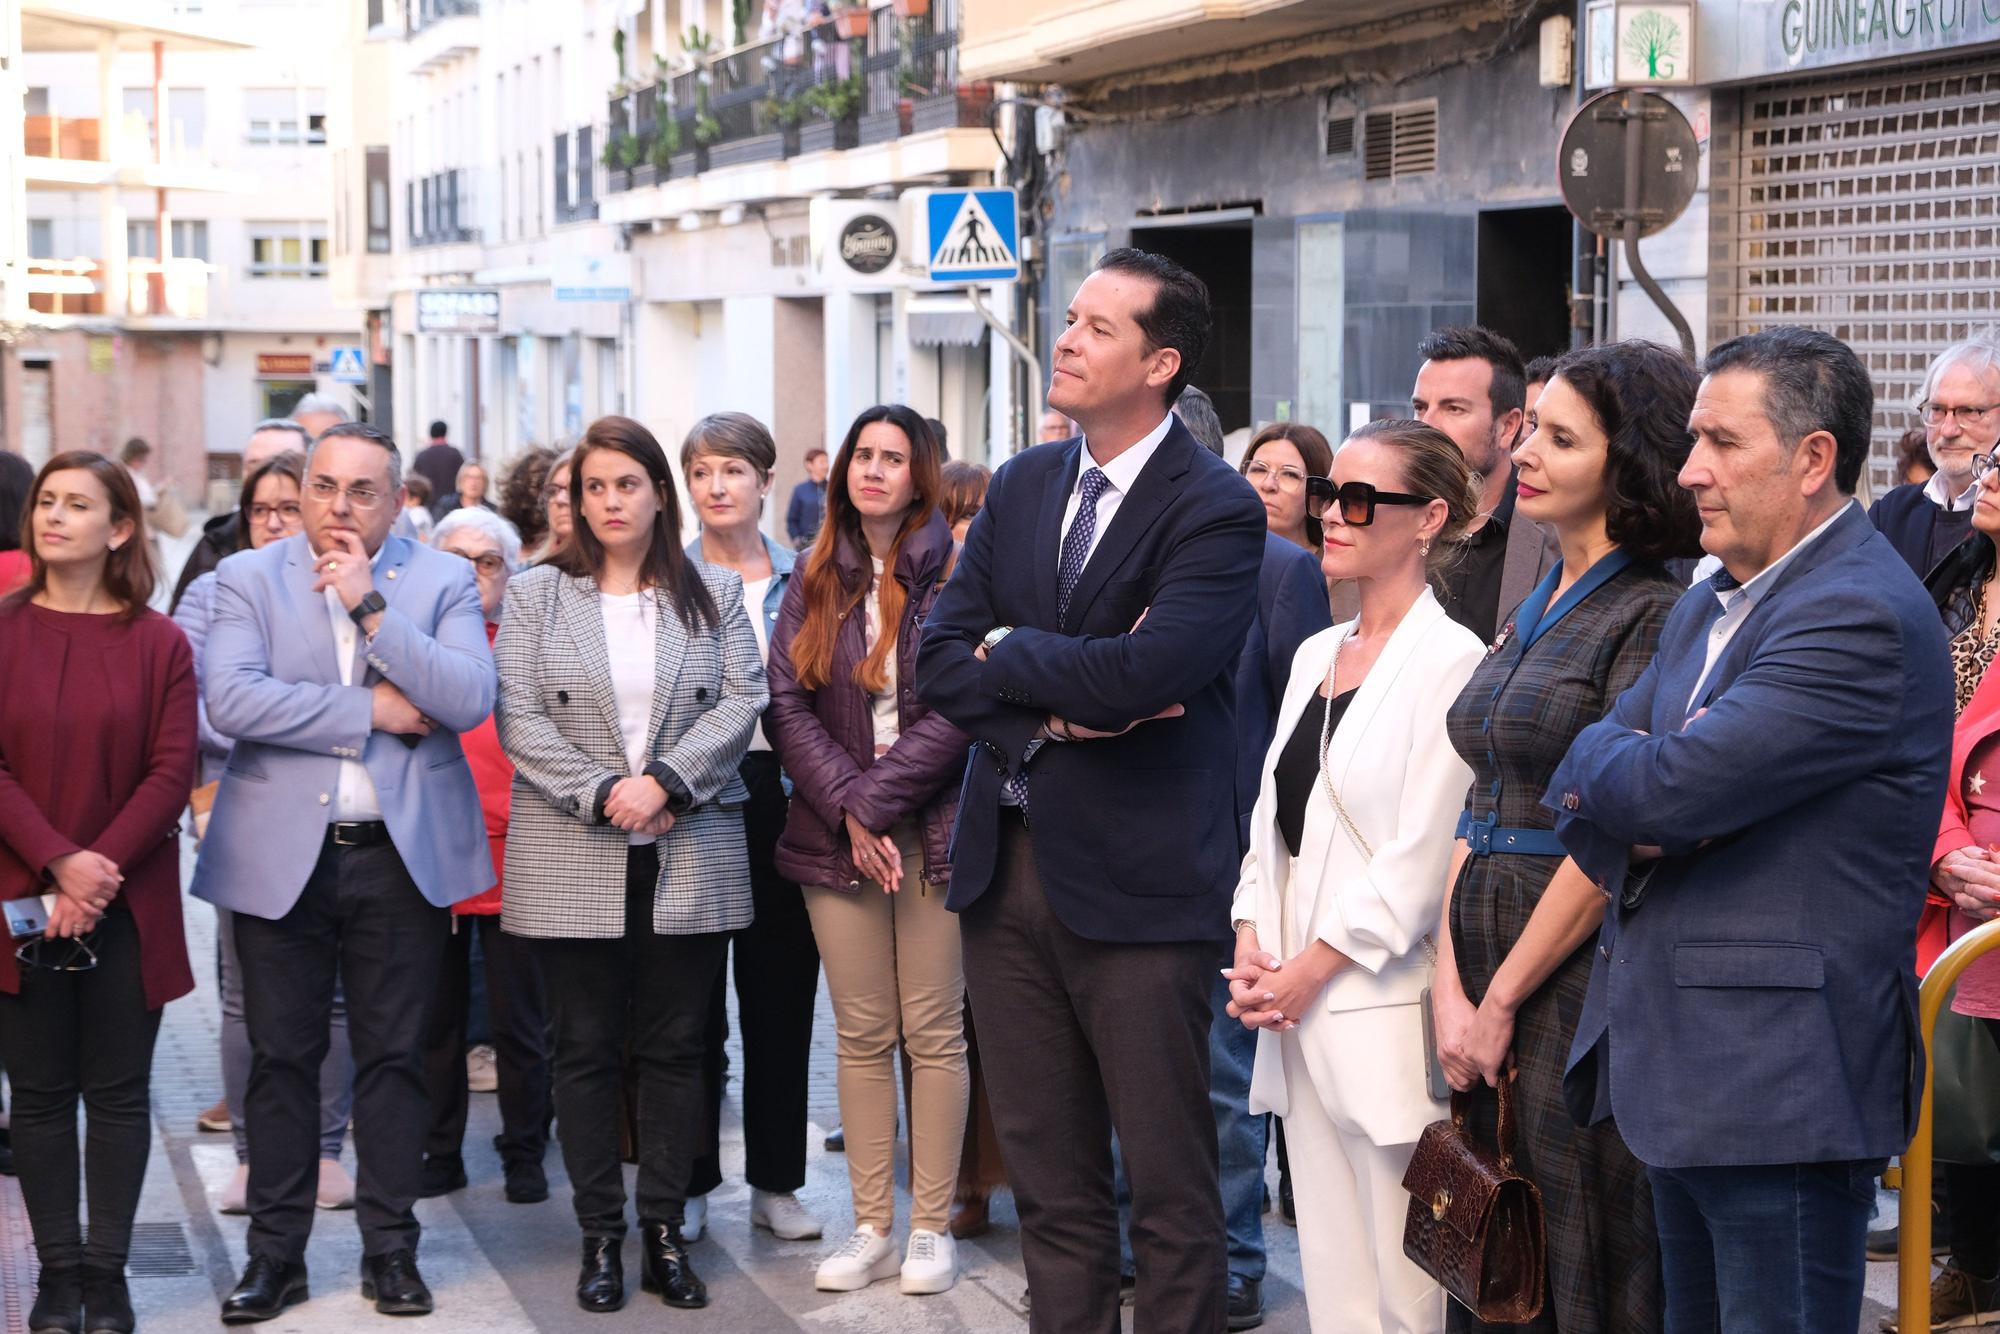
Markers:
point(994, 636)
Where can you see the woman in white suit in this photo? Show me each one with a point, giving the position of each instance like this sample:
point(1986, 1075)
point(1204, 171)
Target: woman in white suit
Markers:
point(1340, 888)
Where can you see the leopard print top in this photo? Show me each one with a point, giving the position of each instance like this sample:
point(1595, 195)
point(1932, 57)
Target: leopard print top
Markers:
point(1972, 652)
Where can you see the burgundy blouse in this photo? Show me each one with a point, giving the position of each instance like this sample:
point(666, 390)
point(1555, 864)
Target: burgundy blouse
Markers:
point(97, 751)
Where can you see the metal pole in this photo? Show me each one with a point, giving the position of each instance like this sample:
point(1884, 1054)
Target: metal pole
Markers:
point(1036, 387)
point(1635, 136)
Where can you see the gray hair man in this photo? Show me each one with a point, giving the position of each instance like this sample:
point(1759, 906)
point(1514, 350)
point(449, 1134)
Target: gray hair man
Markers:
point(1959, 405)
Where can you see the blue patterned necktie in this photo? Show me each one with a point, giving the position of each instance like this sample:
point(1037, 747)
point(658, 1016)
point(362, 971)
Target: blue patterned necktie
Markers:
point(1076, 544)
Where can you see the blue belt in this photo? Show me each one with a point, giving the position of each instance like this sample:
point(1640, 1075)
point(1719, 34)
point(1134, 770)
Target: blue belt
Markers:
point(1486, 838)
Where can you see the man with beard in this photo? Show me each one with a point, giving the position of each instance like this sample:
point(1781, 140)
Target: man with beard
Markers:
point(1959, 403)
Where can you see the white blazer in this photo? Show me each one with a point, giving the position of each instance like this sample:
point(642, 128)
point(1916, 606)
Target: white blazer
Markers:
point(1404, 786)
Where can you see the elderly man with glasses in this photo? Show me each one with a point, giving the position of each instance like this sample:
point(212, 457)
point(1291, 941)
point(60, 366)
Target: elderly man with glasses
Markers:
point(345, 662)
point(1959, 404)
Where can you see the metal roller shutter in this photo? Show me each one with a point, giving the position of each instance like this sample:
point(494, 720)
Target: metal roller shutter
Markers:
point(1866, 204)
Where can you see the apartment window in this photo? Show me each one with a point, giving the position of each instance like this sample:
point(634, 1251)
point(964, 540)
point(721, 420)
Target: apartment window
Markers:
point(41, 238)
point(315, 99)
point(190, 238)
point(378, 201)
point(187, 116)
point(37, 103)
point(285, 115)
point(288, 250)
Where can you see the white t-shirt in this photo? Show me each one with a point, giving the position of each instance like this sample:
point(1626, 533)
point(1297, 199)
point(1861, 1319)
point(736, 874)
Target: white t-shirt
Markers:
point(888, 722)
point(754, 592)
point(628, 640)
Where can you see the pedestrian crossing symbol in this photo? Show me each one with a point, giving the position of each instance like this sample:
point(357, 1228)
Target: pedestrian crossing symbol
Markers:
point(347, 365)
point(975, 236)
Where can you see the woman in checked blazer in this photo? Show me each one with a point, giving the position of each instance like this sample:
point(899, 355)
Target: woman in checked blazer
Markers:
point(629, 683)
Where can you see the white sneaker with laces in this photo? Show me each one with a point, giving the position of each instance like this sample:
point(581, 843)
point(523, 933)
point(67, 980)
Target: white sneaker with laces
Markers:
point(864, 1258)
point(781, 1212)
point(932, 1263)
point(694, 1218)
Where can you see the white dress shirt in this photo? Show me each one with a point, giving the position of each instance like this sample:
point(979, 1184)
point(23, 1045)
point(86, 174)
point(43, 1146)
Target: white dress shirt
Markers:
point(1738, 602)
point(754, 591)
point(1120, 473)
point(354, 797)
point(1935, 493)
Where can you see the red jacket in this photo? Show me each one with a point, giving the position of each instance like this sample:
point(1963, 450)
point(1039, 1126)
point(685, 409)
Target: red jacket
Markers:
point(97, 751)
point(493, 775)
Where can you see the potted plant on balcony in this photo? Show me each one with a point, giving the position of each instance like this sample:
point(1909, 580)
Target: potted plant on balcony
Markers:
point(850, 19)
point(963, 106)
point(833, 116)
point(912, 9)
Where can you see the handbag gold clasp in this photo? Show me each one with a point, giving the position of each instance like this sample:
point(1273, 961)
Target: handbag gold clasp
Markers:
point(1440, 1204)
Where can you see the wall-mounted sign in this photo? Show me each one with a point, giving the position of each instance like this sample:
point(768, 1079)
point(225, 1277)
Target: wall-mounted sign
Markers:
point(857, 243)
point(458, 310)
point(867, 244)
point(285, 365)
point(1628, 44)
point(593, 278)
point(970, 235)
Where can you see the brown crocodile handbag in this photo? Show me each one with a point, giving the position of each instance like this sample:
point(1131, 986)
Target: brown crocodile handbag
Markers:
point(1475, 1224)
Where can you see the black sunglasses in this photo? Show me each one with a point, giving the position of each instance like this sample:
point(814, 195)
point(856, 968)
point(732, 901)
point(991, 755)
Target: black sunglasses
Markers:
point(1357, 500)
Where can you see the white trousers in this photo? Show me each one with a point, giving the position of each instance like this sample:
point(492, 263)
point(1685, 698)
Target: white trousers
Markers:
point(1351, 1206)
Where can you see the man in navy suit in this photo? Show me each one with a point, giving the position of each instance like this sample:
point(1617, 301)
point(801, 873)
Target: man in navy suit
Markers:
point(1759, 808)
point(1086, 641)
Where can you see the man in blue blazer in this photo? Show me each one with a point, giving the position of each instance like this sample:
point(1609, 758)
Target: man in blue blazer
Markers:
point(1760, 810)
point(1086, 642)
point(344, 662)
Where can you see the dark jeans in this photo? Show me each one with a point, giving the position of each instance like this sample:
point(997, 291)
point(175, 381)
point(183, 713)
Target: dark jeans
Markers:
point(777, 978)
point(1078, 1037)
point(362, 916)
point(1972, 1202)
point(1764, 1250)
point(655, 989)
point(520, 1041)
point(82, 1035)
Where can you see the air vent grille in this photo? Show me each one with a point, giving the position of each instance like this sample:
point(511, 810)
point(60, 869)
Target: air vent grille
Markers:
point(1401, 141)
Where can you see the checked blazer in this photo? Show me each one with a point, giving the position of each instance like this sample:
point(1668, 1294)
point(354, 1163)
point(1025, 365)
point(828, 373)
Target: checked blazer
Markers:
point(558, 723)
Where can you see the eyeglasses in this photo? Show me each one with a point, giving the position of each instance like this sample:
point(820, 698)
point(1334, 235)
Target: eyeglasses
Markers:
point(361, 498)
point(65, 954)
point(1289, 479)
point(1983, 464)
point(556, 496)
point(489, 564)
point(289, 511)
point(1935, 413)
point(1357, 500)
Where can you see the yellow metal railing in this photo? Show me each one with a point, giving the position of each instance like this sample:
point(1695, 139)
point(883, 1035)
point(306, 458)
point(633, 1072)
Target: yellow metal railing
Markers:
point(1913, 1174)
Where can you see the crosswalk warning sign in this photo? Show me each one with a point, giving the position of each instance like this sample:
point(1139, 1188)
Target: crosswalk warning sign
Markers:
point(348, 365)
point(975, 236)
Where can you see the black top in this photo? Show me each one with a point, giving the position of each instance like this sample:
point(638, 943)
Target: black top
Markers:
point(1298, 765)
point(1469, 587)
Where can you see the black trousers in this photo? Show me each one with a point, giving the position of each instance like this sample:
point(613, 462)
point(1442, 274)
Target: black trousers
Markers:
point(362, 917)
point(520, 1020)
point(777, 978)
point(1081, 1037)
point(656, 989)
point(82, 1036)
point(1972, 1201)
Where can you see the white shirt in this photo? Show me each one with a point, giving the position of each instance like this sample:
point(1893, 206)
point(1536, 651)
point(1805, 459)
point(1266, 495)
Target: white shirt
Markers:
point(882, 708)
point(754, 592)
point(1121, 473)
point(354, 796)
point(1737, 603)
point(628, 642)
point(1935, 493)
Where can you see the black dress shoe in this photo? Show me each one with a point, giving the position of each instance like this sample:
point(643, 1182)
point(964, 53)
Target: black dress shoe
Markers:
point(1246, 1302)
point(269, 1285)
point(600, 1287)
point(107, 1302)
point(527, 1183)
point(664, 1267)
point(443, 1174)
point(392, 1282)
point(58, 1302)
point(836, 1140)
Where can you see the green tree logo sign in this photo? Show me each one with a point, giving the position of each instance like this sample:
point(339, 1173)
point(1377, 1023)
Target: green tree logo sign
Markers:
point(1655, 40)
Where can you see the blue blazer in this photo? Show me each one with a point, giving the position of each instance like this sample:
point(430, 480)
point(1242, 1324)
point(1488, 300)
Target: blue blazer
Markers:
point(271, 683)
point(1755, 1001)
point(1135, 836)
point(1292, 607)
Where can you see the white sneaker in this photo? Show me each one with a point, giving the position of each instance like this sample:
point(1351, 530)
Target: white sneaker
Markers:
point(864, 1258)
point(235, 1195)
point(931, 1264)
point(482, 1070)
point(694, 1218)
point(782, 1213)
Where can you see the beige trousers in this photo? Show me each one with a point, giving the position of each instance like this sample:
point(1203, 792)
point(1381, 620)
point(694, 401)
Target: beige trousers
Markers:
point(893, 970)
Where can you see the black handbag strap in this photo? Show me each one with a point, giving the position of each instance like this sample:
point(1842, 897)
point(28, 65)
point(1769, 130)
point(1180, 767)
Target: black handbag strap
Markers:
point(1461, 1113)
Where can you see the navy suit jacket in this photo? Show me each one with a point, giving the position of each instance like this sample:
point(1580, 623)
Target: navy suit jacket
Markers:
point(1758, 1003)
point(1135, 835)
point(1292, 607)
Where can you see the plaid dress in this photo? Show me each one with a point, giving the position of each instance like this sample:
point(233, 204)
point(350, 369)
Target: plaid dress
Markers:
point(1512, 723)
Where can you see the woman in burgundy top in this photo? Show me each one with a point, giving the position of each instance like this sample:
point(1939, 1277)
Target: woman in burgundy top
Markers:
point(97, 756)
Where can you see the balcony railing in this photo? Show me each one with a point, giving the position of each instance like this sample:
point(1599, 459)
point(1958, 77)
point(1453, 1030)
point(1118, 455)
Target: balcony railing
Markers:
point(799, 93)
point(82, 139)
point(420, 14)
point(177, 289)
point(440, 208)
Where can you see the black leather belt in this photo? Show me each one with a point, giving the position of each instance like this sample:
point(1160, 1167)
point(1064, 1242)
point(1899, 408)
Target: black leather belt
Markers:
point(357, 834)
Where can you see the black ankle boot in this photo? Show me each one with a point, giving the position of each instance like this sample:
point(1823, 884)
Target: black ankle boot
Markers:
point(107, 1303)
point(600, 1286)
point(58, 1302)
point(665, 1269)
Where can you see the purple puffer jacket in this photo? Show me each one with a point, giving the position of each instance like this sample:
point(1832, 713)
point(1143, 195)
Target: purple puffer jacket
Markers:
point(826, 737)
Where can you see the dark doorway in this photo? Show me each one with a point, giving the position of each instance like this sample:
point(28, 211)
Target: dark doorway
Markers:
point(1524, 275)
point(1219, 254)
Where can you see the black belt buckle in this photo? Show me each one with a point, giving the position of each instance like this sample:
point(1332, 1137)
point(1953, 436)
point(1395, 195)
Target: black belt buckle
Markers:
point(356, 834)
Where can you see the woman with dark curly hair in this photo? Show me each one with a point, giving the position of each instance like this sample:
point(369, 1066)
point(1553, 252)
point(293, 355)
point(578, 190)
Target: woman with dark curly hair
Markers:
point(521, 494)
point(1608, 438)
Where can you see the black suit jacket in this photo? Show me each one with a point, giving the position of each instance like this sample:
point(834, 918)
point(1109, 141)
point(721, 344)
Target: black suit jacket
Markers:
point(1134, 836)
